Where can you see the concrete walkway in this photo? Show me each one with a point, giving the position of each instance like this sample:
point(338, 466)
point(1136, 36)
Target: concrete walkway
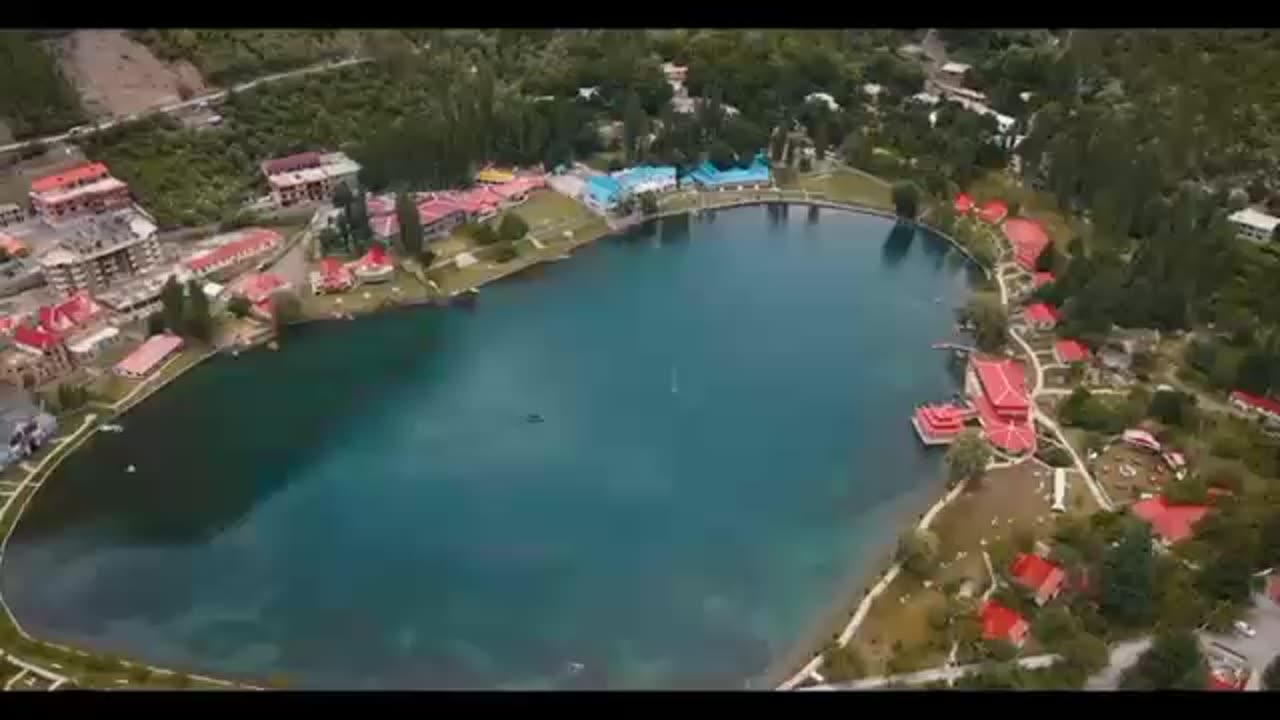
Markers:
point(939, 674)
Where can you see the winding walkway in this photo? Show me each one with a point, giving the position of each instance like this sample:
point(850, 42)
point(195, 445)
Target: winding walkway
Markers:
point(947, 674)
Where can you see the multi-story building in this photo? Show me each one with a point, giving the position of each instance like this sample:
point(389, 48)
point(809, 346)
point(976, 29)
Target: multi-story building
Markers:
point(308, 177)
point(102, 252)
point(1254, 226)
point(86, 189)
point(11, 214)
point(34, 356)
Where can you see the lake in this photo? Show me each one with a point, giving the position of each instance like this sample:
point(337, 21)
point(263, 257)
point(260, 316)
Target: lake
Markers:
point(655, 465)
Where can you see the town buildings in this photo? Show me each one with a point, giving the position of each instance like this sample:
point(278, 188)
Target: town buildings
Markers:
point(757, 175)
point(86, 189)
point(997, 389)
point(331, 276)
point(1170, 523)
point(233, 250)
point(1254, 226)
point(50, 344)
point(34, 356)
point(1038, 576)
point(1067, 352)
point(308, 177)
point(1002, 623)
point(1264, 407)
point(939, 424)
point(148, 356)
point(258, 288)
point(98, 253)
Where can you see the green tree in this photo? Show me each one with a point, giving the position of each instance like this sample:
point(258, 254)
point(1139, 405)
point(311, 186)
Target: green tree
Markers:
point(1049, 259)
point(1173, 662)
point(329, 240)
point(410, 225)
point(918, 552)
point(239, 306)
point(1085, 653)
point(1271, 676)
point(172, 305)
point(906, 200)
point(842, 663)
point(989, 320)
point(155, 323)
point(197, 322)
point(626, 205)
point(648, 203)
point(967, 458)
point(634, 127)
point(286, 308)
point(513, 227)
point(1128, 578)
point(342, 196)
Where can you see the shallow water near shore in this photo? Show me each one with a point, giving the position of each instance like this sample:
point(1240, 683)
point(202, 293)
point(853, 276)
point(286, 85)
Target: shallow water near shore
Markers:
point(724, 441)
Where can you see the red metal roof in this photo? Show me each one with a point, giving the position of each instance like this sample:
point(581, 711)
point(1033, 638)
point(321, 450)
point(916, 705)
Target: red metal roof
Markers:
point(1002, 623)
point(1037, 574)
point(149, 354)
point(1004, 383)
point(258, 287)
point(77, 174)
point(1070, 351)
point(252, 242)
point(993, 211)
point(37, 338)
point(1040, 313)
point(1262, 403)
point(1028, 238)
point(1173, 523)
point(963, 203)
point(1012, 436)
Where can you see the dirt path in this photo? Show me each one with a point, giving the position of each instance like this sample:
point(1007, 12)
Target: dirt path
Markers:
point(117, 76)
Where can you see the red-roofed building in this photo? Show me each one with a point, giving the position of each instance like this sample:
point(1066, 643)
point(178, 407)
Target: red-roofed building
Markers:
point(1028, 239)
point(84, 189)
point(1040, 316)
point(291, 163)
point(36, 356)
point(308, 176)
point(963, 204)
point(331, 276)
point(257, 288)
point(1273, 587)
point(1171, 523)
point(1040, 279)
point(993, 211)
point(1227, 679)
point(375, 266)
point(517, 190)
point(1002, 623)
point(249, 244)
point(997, 389)
point(1141, 439)
point(1037, 575)
point(939, 424)
point(1263, 406)
point(1070, 351)
point(148, 356)
point(439, 216)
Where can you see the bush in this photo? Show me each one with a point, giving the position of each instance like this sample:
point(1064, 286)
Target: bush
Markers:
point(505, 254)
point(842, 663)
point(513, 227)
point(918, 552)
point(238, 306)
point(482, 233)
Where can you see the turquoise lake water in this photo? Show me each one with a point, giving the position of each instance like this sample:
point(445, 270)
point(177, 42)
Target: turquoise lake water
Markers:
point(725, 445)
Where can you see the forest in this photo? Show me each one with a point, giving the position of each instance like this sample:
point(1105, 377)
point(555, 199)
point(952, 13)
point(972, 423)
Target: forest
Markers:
point(35, 97)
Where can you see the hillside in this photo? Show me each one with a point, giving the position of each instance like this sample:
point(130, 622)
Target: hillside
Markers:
point(35, 97)
point(228, 56)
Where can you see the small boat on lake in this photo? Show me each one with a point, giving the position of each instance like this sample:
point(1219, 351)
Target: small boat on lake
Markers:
point(533, 418)
point(131, 469)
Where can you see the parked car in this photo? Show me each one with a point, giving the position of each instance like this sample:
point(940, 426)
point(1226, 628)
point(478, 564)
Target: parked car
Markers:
point(1245, 629)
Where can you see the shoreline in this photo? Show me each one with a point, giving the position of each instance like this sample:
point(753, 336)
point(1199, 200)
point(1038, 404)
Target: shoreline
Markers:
point(774, 675)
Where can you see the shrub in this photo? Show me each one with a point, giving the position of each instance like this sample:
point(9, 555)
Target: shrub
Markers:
point(505, 254)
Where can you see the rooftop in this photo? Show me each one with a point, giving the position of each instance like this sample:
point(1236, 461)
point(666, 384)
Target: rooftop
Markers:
point(993, 211)
point(1037, 574)
point(955, 68)
point(1040, 313)
point(94, 236)
point(1070, 351)
point(1003, 382)
point(1254, 219)
point(1002, 623)
point(963, 203)
point(246, 242)
point(1028, 238)
point(1265, 404)
point(149, 354)
point(77, 174)
point(1172, 523)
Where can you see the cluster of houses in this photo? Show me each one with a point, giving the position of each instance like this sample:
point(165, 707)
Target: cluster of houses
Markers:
point(997, 402)
point(440, 212)
point(605, 192)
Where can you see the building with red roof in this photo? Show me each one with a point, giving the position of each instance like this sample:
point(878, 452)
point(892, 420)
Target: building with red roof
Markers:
point(331, 276)
point(963, 204)
point(1141, 439)
point(1264, 406)
point(1040, 279)
point(244, 246)
point(148, 356)
point(258, 288)
point(997, 389)
point(1040, 316)
point(375, 266)
point(1041, 577)
point(939, 424)
point(1171, 523)
point(1227, 679)
point(1067, 352)
point(1002, 623)
point(1028, 239)
point(83, 189)
point(993, 211)
point(35, 356)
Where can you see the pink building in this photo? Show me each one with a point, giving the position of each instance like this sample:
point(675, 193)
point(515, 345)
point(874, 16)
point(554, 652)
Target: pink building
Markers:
point(148, 356)
point(86, 189)
point(250, 244)
point(997, 388)
point(308, 177)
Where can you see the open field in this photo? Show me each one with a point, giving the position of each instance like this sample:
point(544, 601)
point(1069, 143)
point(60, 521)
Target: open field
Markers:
point(1112, 470)
point(849, 187)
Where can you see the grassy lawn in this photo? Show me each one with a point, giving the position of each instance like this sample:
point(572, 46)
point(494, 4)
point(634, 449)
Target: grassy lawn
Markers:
point(849, 187)
point(1037, 205)
point(1111, 467)
point(547, 207)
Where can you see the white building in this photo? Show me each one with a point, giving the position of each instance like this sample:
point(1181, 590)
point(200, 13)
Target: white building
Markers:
point(872, 90)
point(955, 70)
point(1254, 226)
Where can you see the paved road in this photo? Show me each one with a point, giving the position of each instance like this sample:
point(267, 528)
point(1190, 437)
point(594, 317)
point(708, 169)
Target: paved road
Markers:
point(924, 677)
point(174, 107)
point(1122, 656)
